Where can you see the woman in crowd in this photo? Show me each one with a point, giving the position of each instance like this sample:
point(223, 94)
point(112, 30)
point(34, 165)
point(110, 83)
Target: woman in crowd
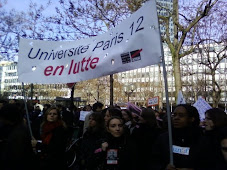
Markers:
point(221, 163)
point(54, 137)
point(112, 111)
point(91, 138)
point(215, 121)
point(117, 151)
point(186, 135)
point(145, 135)
point(127, 116)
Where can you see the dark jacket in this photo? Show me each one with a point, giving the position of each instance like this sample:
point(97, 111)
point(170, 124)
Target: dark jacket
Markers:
point(186, 150)
point(15, 148)
point(90, 141)
point(53, 154)
point(145, 136)
point(125, 157)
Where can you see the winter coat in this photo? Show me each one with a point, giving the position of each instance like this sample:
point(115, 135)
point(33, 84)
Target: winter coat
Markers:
point(52, 154)
point(186, 149)
point(15, 148)
point(89, 142)
point(144, 136)
point(124, 155)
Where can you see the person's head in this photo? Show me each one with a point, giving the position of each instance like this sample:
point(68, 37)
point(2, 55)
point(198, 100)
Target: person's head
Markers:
point(11, 114)
point(52, 115)
point(96, 120)
point(87, 108)
point(2, 103)
point(12, 101)
point(115, 126)
point(97, 107)
point(126, 115)
point(148, 117)
point(215, 118)
point(222, 135)
point(112, 112)
point(185, 116)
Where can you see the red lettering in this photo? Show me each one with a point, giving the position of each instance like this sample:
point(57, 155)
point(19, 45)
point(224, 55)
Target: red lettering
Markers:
point(57, 68)
point(71, 65)
point(88, 60)
point(94, 61)
point(82, 64)
point(48, 70)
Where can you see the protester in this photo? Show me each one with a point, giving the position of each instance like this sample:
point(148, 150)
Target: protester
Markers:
point(186, 138)
point(91, 138)
point(15, 146)
point(54, 138)
point(145, 135)
point(127, 116)
point(97, 107)
point(112, 111)
point(117, 151)
point(67, 116)
point(221, 163)
point(215, 121)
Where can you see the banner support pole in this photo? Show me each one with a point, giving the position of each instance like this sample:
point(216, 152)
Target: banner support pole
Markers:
point(26, 108)
point(167, 96)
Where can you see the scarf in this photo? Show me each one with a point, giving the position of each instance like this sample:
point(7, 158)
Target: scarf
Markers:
point(47, 131)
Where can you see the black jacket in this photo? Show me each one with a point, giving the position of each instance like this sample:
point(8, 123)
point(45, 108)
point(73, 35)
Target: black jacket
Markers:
point(15, 148)
point(186, 150)
point(53, 154)
point(126, 155)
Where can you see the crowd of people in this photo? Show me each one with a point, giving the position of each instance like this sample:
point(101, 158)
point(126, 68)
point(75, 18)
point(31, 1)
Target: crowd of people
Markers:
point(110, 138)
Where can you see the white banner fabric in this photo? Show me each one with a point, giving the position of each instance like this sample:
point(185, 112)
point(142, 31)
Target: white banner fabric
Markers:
point(135, 43)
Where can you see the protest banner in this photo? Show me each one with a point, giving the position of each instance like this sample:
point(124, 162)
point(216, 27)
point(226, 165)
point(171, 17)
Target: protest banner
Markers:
point(154, 101)
point(202, 106)
point(83, 115)
point(132, 44)
point(180, 98)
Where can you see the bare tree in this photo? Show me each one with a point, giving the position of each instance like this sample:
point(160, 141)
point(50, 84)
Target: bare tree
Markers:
point(185, 18)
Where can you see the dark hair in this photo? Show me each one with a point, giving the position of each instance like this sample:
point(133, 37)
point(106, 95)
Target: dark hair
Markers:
point(11, 113)
point(222, 134)
point(48, 111)
point(97, 116)
point(115, 112)
point(128, 113)
point(149, 116)
point(96, 105)
point(218, 117)
point(192, 112)
point(114, 117)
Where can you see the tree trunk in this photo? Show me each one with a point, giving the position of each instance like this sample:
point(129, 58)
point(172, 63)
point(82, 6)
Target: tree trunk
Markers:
point(177, 74)
point(216, 93)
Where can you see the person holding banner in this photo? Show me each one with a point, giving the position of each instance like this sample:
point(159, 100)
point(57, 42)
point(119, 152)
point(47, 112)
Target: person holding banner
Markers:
point(15, 146)
point(54, 137)
point(186, 139)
